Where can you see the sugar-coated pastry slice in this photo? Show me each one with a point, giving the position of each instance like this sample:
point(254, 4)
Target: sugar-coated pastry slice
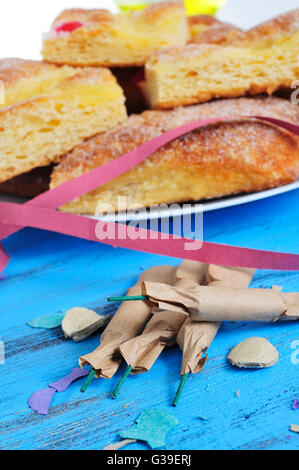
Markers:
point(240, 155)
point(48, 110)
point(206, 29)
point(261, 60)
point(97, 37)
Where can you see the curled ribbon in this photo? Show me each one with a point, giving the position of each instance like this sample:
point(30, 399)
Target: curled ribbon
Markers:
point(40, 212)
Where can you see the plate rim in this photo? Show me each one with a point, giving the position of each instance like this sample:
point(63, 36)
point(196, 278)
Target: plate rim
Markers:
point(193, 207)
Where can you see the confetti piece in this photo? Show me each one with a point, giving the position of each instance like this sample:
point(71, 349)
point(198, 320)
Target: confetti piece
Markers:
point(253, 353)
point(65, 382)
point(238, 393)
point(40, 401)
point(202, 418)
point(119, 445)
point(53, 320)
point(2, 277)
point(79, 323)
point(295, 405)
point(294, 428)
point(152, 427)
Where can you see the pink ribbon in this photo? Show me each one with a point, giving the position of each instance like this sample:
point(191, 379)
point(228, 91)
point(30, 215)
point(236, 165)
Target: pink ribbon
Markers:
point(40, 212)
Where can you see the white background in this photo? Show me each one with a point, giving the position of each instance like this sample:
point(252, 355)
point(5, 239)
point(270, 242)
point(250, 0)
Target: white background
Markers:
point(23, 21)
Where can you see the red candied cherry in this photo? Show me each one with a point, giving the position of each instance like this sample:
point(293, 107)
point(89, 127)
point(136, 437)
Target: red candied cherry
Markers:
point(68, 27)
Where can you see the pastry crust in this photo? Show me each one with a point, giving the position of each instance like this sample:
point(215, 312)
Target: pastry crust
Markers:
point(206, 29)
point(102, 17)
point(216, 34)
point(199, 23)
point(265, 34)
point(49, 110)
point(241, 155)
point(262, 60)
point(116, 40)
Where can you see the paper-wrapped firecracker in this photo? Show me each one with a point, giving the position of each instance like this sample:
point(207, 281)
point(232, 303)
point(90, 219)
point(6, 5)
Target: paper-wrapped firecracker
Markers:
point(222, 303)
point(128, 322)
point(141, 352)
point(195, 337)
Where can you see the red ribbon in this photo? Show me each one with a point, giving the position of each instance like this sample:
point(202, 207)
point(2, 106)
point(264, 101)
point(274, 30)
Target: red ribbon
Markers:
point(40, 212)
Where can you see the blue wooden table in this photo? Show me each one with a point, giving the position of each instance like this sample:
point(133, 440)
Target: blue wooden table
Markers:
point(245, 409)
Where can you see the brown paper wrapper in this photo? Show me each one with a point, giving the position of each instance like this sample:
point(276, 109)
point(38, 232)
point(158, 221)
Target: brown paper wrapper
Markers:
point(228, 276)
point(291, 300)
point(161, 331)
point(194, 337)
point(191, 273)
point(221, 303)
point(128, 322)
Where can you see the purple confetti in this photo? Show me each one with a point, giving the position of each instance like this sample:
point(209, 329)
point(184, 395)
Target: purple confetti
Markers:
point(40, 401)
point(2, 277)
point(295, 405)
point(65, 382)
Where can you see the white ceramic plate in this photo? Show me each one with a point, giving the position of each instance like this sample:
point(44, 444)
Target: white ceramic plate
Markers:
point(181, 210)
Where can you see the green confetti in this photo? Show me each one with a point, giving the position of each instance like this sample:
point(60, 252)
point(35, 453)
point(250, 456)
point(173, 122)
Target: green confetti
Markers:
point(53, 320)
point(152, 427)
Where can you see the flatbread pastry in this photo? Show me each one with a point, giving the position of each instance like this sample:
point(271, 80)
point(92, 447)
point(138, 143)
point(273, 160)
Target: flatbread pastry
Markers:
point(49, 110)
point(97, 37)
point(241, 155)
point(262, 60)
